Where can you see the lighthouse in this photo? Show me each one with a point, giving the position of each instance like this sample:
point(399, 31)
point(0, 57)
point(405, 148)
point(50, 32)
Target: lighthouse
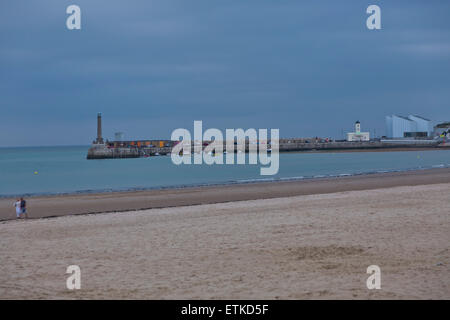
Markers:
point(99, 139)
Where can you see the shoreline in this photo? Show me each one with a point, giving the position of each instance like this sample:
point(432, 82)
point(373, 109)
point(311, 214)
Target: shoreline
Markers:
point(47, 206)
point(100, 190)
point(215, 184)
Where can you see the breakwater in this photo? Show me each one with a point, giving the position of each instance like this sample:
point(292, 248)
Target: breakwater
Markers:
point(114, 150)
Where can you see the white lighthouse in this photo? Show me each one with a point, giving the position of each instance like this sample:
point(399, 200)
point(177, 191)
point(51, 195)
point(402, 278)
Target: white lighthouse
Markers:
point(357, 127)
point(358, 135)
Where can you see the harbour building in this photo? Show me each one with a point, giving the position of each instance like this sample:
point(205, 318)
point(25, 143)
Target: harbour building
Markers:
point(412, 126)
point(442, 130)
point(358, 135)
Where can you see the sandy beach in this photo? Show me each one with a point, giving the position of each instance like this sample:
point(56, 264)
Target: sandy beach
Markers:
point(310, 246)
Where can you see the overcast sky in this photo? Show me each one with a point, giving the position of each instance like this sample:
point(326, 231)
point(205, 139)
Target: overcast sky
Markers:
point(309, 68)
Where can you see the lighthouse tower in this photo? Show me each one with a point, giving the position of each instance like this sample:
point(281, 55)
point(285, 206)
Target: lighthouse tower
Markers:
point(357, 127)
point(99, 139)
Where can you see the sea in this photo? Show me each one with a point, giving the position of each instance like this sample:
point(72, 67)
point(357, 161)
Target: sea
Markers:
point(28, 171)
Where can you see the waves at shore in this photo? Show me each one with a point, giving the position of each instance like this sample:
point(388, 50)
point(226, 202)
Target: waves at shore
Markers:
point(96, 202)
point(64, 171)
point(230, 182)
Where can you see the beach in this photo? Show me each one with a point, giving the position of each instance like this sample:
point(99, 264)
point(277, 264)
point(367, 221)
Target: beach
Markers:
point(287, 240)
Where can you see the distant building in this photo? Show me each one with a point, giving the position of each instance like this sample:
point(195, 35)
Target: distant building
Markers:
point(412, 126)
point(118, 136)
point(442, 129)
point(422, 124)
point(358, 135)
point(396, 126)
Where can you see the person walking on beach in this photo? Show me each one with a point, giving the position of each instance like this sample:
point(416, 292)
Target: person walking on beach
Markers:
point(23, 207)
point(18, 208)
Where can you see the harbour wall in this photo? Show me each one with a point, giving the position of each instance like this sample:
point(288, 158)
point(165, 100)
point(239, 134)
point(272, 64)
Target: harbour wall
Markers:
point(103, 151)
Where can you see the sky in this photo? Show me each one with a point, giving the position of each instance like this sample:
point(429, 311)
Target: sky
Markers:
point(307, 68)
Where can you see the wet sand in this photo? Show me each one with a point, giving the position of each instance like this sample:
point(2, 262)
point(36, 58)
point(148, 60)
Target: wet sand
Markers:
point(315, 246)
point(49, 206)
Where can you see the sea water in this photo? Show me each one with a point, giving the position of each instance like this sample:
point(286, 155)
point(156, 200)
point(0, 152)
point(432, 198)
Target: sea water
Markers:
point(55, 170)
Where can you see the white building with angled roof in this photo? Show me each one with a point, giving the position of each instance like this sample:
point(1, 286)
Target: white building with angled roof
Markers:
point(412, 126)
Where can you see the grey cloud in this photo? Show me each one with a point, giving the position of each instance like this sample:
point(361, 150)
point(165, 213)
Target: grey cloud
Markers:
point(305, 67)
